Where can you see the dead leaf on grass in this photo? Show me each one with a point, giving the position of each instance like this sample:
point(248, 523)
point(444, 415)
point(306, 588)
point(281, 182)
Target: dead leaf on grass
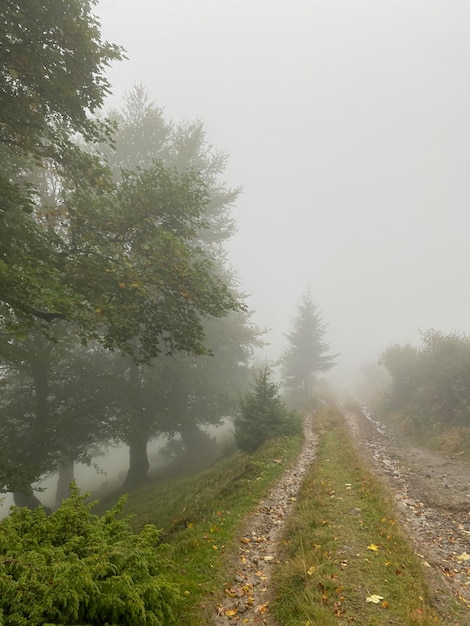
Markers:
point(374, 598)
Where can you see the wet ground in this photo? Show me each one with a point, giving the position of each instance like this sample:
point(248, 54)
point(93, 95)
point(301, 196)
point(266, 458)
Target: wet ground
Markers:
point(247, 595)
point(432, 492)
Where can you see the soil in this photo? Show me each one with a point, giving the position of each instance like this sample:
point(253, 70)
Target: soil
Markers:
point(432, 493)
point(247, 596)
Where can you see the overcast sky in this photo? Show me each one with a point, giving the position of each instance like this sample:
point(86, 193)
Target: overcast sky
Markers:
point(347, 125)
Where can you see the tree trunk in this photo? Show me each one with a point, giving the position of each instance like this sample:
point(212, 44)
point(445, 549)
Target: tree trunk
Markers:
point(138, 461)
point(63, 482)
point(200, 447)
point(28, 500)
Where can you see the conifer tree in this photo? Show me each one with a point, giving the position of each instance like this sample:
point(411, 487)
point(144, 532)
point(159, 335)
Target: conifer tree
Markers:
point(307, 352)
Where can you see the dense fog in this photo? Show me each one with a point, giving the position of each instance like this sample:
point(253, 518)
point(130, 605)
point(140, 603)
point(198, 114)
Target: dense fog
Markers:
point(346, 124)
point(345, 129)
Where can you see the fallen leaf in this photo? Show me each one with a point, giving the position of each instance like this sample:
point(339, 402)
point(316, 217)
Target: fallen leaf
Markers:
point(463, 557)
point(230, 612)
point(373, 547)
point(374, 598)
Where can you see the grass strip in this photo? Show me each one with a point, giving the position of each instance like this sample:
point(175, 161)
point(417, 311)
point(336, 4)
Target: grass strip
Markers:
point(344, 557)
point(200, 517)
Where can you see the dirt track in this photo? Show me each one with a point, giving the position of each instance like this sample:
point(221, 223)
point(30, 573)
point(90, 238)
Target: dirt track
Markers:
point(247, 596)
point(433, 501)
point(432, 492)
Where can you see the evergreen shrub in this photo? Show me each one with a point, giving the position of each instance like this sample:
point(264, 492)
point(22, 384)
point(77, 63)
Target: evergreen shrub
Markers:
point(73, 567)
point(263, 414)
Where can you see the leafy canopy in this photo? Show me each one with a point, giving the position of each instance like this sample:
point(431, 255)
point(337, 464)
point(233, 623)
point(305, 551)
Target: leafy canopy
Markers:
point(52, 71)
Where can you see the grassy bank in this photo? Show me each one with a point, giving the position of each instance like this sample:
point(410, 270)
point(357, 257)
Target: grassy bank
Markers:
point(200, 516)
point(344, 557)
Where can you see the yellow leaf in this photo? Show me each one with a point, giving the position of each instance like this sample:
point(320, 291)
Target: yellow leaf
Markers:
point(311, 570)
point(373, 547)
point(231, 612)
point(463, 557)
point(374, 598)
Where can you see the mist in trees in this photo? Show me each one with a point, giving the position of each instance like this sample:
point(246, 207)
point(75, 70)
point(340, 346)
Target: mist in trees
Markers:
point(430, 384)
point(306, 354)
point(121, 319)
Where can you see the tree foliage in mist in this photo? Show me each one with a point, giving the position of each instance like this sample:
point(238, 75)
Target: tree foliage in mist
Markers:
point(307, 352)
point(263, 414)
point(52, 69)
point(431, 383)
point(74, 567)
point(125, 251)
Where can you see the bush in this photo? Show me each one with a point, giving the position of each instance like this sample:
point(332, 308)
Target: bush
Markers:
point(263, 414)
point(73, 567)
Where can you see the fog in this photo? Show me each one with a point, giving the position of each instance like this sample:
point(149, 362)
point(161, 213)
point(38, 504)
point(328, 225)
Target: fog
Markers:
point(347, 126)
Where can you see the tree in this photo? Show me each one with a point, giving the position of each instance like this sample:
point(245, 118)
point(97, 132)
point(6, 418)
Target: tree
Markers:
point(306, 354)
point(262, 413)
point(184, 392)
point(430, 384)
point(55, 405)
point(403, 365)
point(52, 71)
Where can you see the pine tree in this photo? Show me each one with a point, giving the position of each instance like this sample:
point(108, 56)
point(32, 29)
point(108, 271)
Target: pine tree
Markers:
point(263, 414)
point(306, 354)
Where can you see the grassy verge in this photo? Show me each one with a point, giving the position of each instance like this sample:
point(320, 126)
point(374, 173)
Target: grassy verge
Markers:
point(200, 517)
point(344, 557)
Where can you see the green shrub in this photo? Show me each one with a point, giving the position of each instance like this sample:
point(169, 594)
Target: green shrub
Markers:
point(263, 414)
point(73, 567)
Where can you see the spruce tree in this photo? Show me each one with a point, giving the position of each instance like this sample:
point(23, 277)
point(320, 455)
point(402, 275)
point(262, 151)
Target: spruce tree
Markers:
point(307, 352)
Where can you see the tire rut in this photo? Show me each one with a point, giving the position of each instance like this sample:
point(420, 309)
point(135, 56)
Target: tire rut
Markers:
point(247, 597)
point(431, 504)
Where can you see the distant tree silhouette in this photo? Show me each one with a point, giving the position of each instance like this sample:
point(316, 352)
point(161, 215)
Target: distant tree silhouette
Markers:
point(306, 354)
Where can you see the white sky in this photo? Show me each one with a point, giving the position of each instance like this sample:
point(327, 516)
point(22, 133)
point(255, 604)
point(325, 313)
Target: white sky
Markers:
point(347, 123)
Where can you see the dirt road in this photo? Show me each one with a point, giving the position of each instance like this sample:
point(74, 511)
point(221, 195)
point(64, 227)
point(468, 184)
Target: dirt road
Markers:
point(433, 501)
point(247, 596)
point(432, 492)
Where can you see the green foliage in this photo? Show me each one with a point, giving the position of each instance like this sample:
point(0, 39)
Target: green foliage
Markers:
point(56, 401)
point(74, 567)
point(52, 71)
point(263, 414)
point(306, 354)
point(431, 384)
point(402, 363)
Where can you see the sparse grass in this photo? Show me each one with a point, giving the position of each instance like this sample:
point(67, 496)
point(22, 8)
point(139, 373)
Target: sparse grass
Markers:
point(200, 516)
point(444, 437)
point(343, 545)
